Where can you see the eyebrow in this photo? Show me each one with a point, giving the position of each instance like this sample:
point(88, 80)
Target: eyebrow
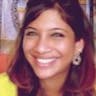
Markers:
point(56, 28)
point(30, 28)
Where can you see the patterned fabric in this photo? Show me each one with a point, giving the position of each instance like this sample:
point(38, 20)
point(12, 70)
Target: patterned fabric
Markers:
point(8, 26)
point(10, 18)
point(0, 18)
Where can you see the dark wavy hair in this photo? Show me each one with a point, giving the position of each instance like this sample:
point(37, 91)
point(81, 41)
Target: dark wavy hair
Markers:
point(80, 80)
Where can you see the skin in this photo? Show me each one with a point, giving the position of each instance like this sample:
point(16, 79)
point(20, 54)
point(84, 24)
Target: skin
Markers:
point(49, 46)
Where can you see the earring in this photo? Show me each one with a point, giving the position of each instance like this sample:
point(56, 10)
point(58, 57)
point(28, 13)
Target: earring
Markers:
point(77, 59)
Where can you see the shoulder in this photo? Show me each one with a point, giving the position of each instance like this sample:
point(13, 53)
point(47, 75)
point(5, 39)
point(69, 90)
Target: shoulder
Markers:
point(7, 88)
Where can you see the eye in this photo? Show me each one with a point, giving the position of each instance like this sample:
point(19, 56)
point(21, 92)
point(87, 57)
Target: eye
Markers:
point(30, 33)
point(60, 35)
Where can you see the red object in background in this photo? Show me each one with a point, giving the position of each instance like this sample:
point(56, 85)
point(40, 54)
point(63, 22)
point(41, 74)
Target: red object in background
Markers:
point(3, 62)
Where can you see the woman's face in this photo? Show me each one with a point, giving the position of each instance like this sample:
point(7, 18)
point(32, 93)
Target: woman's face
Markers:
point(49, 45)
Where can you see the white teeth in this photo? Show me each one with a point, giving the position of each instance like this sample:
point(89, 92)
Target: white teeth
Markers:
point(44, 61)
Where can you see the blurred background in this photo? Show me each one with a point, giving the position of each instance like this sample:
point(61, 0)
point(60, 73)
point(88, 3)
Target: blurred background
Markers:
point(11, 16)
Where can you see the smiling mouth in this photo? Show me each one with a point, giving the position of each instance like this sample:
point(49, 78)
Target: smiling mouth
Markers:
point(45, 60)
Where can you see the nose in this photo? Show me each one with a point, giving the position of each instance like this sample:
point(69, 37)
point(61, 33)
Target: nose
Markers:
point(42, 46)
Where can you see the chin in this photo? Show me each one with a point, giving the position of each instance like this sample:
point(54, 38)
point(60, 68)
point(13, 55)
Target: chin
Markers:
point(46, 74)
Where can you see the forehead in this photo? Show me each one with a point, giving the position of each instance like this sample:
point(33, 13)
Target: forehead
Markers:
point(50, 16)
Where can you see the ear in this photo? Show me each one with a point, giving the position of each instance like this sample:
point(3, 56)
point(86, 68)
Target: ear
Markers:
point(79, 45)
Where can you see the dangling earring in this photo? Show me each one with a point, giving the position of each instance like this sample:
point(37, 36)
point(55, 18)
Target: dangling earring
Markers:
point(77, 59)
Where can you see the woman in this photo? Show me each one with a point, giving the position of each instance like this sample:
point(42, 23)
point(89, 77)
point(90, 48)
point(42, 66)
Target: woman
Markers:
point(55, 51)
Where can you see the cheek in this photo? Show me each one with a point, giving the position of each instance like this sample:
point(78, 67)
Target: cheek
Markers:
point(66, 49)
point(27, 45)
point(27, 49)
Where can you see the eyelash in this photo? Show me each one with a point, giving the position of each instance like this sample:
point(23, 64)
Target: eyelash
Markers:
point(57, 35)
point(31, 33)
